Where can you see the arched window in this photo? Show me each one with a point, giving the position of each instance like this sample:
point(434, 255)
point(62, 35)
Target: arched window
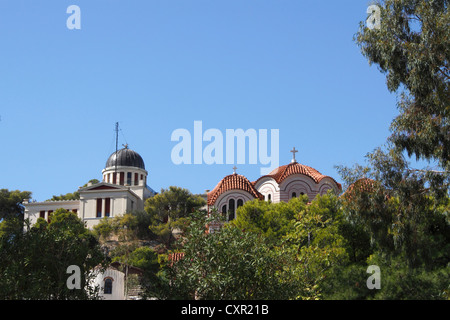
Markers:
point(269, 197)
point(294, 195)
point(231, 209)
point(302, 193)
point(224, 209)
point(107, 289)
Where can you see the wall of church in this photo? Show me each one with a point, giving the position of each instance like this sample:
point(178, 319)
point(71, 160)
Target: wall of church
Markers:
point(236, 196)
point(297, 184)
point(328, 184)
point(268, 187)
point(294, 186)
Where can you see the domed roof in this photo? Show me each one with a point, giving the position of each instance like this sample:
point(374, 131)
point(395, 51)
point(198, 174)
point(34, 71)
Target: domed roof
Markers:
point(126, 158)
point(233, 182)
point(363, 185)
point(281, 173)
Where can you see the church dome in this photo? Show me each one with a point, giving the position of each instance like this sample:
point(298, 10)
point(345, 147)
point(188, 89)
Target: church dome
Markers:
point(233, 182)
point(126, 158)
point(283, 172)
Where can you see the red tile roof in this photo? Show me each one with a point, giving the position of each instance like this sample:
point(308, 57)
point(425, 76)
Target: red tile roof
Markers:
point(363, 185)
point(233, 182)
point(281, 173)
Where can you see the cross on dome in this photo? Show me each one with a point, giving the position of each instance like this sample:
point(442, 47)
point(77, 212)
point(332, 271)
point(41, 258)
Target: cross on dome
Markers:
point(293, 154)
point(234, 170)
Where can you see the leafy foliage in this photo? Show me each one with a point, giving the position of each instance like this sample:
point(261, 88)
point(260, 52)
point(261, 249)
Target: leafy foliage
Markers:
point(229, 264)
point(11, 203)
point(34, 262)
point(168, 211)
point(412, 47)
point(271, 220)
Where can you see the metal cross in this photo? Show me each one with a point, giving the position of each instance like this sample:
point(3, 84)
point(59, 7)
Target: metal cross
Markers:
point(293, 153)
point(234, 170)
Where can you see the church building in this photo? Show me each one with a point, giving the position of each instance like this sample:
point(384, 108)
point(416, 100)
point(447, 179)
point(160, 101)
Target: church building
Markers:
point(283, 183)
point(123, 189)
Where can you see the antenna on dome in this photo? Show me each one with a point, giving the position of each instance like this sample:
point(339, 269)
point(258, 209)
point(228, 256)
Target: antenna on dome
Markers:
point(117, 141)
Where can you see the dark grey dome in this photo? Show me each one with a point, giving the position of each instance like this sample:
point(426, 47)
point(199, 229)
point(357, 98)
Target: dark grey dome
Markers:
point(125, 157)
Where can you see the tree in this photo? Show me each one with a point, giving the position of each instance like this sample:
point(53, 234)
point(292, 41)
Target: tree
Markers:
point(168, 211)
point(317, 245)
point(412, 47)
point(34, 263)
point(12, 210)
point(407, 220)
point(403, 209)
point(147, 259)
point(173, 203)
point(228, 264)
point(11, 203)
point(272, 220)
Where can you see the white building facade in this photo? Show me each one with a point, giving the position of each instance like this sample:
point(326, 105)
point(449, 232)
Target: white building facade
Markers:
point(123, 189)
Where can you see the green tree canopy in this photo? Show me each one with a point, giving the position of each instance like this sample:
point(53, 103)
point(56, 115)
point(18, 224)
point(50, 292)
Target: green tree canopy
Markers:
point(169, 210)
point(34, 263)
point(412, 47)
point(12, 211)
point(272, 220)
point(228, 264)
point(173, 203)
point(11, 203)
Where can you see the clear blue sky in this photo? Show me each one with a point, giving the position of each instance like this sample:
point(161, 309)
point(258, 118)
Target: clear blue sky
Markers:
point(156, 66)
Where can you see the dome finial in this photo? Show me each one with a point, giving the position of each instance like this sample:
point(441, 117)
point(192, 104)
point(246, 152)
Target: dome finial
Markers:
point(125, 145)
point(293, 154)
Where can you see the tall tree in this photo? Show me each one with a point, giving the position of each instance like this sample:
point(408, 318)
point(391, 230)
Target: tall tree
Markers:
point(412, 47)
point(400, 211)
point(403, 209)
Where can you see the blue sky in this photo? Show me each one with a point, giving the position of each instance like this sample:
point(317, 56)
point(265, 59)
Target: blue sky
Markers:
point(157, 66)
